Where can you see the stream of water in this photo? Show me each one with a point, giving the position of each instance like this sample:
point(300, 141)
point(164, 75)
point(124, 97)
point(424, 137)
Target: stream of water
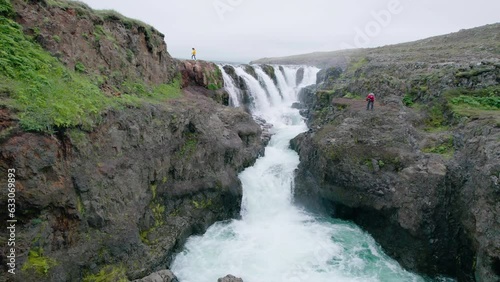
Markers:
point(274, 240)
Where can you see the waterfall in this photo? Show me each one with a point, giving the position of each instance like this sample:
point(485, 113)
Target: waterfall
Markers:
point(233, 91)
point(274, 240)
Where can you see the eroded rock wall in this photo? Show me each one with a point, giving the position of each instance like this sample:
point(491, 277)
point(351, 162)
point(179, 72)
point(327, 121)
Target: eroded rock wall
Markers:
point(429, 195)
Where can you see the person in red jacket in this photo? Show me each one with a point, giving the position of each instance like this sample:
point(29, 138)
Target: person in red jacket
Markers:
point(371, 100)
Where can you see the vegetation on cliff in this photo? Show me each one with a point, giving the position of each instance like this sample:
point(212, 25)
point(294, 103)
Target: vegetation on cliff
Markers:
point(46, 95)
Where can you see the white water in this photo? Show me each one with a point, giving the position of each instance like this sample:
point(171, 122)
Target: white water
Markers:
point(276, 241)
point(234, 92)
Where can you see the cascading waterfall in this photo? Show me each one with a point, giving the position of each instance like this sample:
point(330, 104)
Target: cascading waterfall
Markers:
point(234, 92)
point(275, 240)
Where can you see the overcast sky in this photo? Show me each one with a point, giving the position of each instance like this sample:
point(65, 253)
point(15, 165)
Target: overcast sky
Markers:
point(243, 30)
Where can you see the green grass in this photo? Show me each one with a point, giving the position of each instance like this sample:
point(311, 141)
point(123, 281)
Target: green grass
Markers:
point(445, 148)
point(484, 102)
point(6, 8)
point(113, 15)
point(350, 95)
point(486, 98)
point(46, 95)
point(408, 100)
point(357, 65)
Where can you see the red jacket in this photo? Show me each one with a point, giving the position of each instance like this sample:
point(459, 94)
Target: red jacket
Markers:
point(370, 97)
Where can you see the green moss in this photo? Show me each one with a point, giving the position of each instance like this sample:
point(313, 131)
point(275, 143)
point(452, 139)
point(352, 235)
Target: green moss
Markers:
point(56, 38)
point(408, 100)
point(79, 205)
point(189, 146)
point(130, 55)
point(153, 190)
point(212, 86)
point(357, 65)
point(473, 72)
point(445, 148)
point(350, 95)
point(381, 163)
point(36, 221)
point(436, 116)
point(164, 180)
point(144, 236)
point(158, 213)
point(203, 204)
point(369, 164)
point(108, 274)
point(100, 32)
point(38, 263)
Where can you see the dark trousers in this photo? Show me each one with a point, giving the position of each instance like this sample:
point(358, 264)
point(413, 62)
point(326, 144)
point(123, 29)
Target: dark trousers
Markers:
point(193, 57)
point(369, 105)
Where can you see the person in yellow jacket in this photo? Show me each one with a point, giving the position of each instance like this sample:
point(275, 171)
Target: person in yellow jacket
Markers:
point(193, 54)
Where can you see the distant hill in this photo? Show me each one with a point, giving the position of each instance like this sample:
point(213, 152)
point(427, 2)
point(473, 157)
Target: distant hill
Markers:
point(468, 45)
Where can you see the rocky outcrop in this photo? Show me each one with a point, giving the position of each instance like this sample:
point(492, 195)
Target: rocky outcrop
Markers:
point(427, 175)
point(160, 276)
point(204, 78)
point(269, 70)
point(300, 76)
point(114, 49)
point(115, 200)
point(230, 278)
point(127, 194)
point(251, 71)
point(201, 73)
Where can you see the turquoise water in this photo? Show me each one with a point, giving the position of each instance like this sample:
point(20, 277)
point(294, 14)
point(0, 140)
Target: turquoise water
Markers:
point(275, 240)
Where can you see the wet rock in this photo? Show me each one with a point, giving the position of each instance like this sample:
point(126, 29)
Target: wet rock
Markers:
point(230, 278)
point(300, 76)
point(269, 70)
point(160, 276)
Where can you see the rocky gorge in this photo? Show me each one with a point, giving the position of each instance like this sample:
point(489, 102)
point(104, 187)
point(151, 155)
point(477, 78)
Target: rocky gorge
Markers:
point(421, 171)
point(122, 152)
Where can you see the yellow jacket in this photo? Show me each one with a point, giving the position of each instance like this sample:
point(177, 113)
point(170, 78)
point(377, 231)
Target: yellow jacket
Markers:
point(193, 52)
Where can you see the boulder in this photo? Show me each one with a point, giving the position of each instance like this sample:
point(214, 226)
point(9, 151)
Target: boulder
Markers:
point(160, 276)
point(230, 278)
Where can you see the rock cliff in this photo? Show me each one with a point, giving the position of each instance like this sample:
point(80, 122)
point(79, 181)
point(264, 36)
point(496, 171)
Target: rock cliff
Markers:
point(115, 198)
point(421, 171)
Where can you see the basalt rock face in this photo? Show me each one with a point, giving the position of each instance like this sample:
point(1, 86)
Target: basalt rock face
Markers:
point(441, 211)
point(115, 49)
point(115, 201)
point(130, 192)
point(421, 172)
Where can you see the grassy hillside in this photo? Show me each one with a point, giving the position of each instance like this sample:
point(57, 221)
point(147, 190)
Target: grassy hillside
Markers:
point(463, 46)
point(45, 95)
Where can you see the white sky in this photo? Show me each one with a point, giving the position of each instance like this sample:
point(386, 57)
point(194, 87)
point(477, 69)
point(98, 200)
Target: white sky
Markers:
point(244, 30)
